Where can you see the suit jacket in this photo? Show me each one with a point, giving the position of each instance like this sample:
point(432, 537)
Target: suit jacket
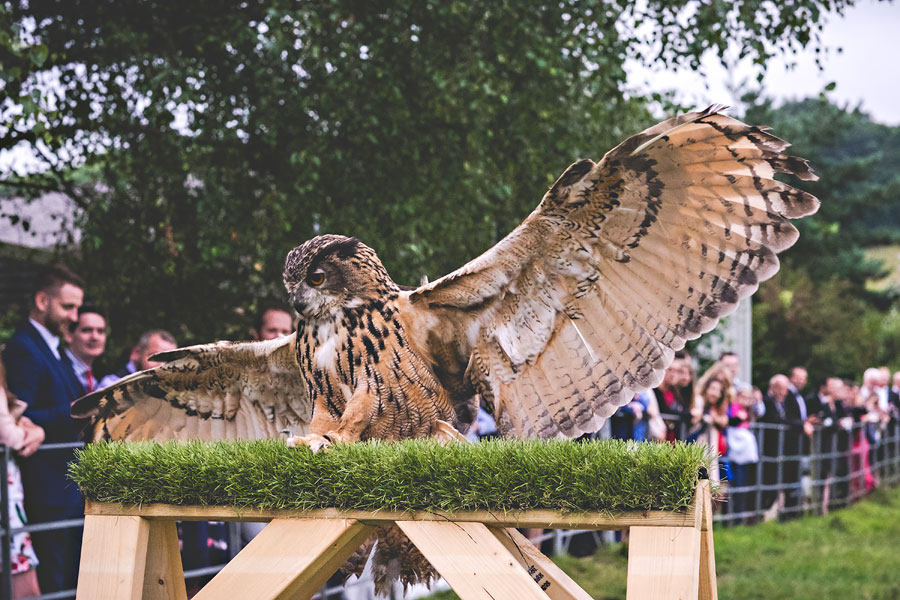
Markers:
point(792, 406)
point(784, 413)
point(894, 402)
point(48, 387)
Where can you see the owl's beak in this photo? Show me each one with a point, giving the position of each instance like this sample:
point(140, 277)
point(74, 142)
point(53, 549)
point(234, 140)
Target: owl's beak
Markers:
point(298, 305)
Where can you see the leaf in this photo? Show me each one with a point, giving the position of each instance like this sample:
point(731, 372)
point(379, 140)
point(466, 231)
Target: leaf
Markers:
point(38, 55)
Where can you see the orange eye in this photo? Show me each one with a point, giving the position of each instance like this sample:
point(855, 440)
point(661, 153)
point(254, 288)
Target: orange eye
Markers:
point(316, 278)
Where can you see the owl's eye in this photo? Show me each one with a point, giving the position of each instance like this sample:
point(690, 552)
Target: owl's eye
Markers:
point(316, 278)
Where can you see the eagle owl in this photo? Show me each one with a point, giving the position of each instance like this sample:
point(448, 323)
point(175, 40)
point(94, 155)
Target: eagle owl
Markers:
point(554, 327)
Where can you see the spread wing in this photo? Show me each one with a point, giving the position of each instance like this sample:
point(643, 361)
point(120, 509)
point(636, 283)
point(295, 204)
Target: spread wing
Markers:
point(217, 391)
point(622, 262)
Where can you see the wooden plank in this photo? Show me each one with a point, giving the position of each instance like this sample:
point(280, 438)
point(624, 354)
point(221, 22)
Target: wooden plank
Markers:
point(163, 575)
point(113, 558)
point(663, 563)
point(544, 519)
point(474, 562)
point(708, 585)
point(553, 580)
point(290, 558)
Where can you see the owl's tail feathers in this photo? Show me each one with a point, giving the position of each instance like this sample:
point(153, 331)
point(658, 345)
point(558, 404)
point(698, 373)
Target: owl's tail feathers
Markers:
point(357, 561)
point(394, 558)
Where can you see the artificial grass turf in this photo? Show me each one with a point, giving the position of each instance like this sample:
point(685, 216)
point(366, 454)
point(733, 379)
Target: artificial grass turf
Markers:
point(501, 475)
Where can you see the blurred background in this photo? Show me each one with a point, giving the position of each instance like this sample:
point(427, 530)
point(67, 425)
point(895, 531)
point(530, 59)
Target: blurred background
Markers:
point(173, 153)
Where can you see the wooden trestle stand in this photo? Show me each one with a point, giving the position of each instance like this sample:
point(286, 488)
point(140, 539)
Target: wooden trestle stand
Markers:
point(132, 552)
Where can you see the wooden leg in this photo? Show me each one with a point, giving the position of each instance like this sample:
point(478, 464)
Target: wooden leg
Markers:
point(553, 580)
point(164, 575)
point(708, 586)
point(113, 558)
point(663, 563)
point(472, 560)
point(290, 558)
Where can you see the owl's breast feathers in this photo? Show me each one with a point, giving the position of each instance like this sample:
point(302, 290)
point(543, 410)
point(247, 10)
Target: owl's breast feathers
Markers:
point(366, 349)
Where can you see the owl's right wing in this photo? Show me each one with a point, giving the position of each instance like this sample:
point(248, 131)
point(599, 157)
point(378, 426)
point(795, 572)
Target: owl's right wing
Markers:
point(218, 391)
point(623, 261)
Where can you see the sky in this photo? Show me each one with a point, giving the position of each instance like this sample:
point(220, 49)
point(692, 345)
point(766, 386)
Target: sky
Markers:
point(865, 72)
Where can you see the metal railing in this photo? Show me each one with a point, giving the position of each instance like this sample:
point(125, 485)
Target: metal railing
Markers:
point(832, 468)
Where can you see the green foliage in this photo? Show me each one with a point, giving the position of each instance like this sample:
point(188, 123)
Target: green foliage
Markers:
point(823, 325)
point(203, 139)
point(501, 475)
point(856, 161)
point(818, 311)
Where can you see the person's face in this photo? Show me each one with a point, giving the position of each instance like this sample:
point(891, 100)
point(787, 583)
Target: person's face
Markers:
point(155, 345)
point(682, 372)
point(835, 388)
point(798, 378)
point(88, 339)
point(896, 380)
point(732, 364)
point(714, 391)
point(672, 376)
point(275, 323)
point(779, 388)
point(746, 398)
point(58, 310)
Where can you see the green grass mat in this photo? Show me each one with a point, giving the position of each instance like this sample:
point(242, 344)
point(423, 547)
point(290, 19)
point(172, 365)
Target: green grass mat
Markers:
point(501, 475)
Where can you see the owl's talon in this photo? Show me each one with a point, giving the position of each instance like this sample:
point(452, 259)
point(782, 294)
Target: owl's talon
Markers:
point(314, 441)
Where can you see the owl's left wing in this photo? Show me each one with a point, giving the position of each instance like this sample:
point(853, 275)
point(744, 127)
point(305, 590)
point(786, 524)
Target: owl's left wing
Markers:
point(622, 262)
point(218, 391)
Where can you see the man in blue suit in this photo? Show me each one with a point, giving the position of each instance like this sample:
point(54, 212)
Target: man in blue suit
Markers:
point(37, 375)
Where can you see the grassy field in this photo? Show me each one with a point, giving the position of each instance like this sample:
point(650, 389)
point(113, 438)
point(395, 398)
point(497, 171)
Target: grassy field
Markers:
point(852, 553)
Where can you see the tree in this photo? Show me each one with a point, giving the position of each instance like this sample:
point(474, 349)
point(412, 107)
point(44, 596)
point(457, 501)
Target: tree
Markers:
point(204, 139)
point(818, 311)
point(858, 184)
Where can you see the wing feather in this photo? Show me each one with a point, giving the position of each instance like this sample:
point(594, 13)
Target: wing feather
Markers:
point(622, 262)
point(217, 391)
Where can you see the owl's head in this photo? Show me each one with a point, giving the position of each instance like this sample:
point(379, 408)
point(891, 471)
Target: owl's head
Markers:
point(332, 272)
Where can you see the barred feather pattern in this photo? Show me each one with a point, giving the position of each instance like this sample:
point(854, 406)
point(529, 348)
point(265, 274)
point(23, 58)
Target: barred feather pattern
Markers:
point(363, 352)
point(555, 327)
point(224, 390)
point(623, 261)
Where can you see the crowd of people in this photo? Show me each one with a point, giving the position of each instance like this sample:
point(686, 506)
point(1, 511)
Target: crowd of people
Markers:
point(50, 361)
point(776, 434)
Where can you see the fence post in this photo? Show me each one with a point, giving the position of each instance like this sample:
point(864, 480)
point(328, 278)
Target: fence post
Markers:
point(4, 517)
point(759, 510)
point(779, 475)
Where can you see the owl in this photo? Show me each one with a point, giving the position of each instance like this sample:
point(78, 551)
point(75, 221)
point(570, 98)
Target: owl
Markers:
point(556, 326)
point(553, 328)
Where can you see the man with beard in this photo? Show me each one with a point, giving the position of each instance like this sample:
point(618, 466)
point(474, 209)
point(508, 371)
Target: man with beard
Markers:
point(37, 375)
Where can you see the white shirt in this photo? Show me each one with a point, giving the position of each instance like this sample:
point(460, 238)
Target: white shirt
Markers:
point(81, 370)
point(52, 340)
point(112, 377)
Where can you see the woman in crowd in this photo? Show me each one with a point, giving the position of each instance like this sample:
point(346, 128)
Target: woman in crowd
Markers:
point(24, 437)
point(709, 415)
point(864, 412)
point(743, 449)
point(671, 401)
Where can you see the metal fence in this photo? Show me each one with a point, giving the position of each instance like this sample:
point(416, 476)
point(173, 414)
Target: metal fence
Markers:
point(796, 474)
